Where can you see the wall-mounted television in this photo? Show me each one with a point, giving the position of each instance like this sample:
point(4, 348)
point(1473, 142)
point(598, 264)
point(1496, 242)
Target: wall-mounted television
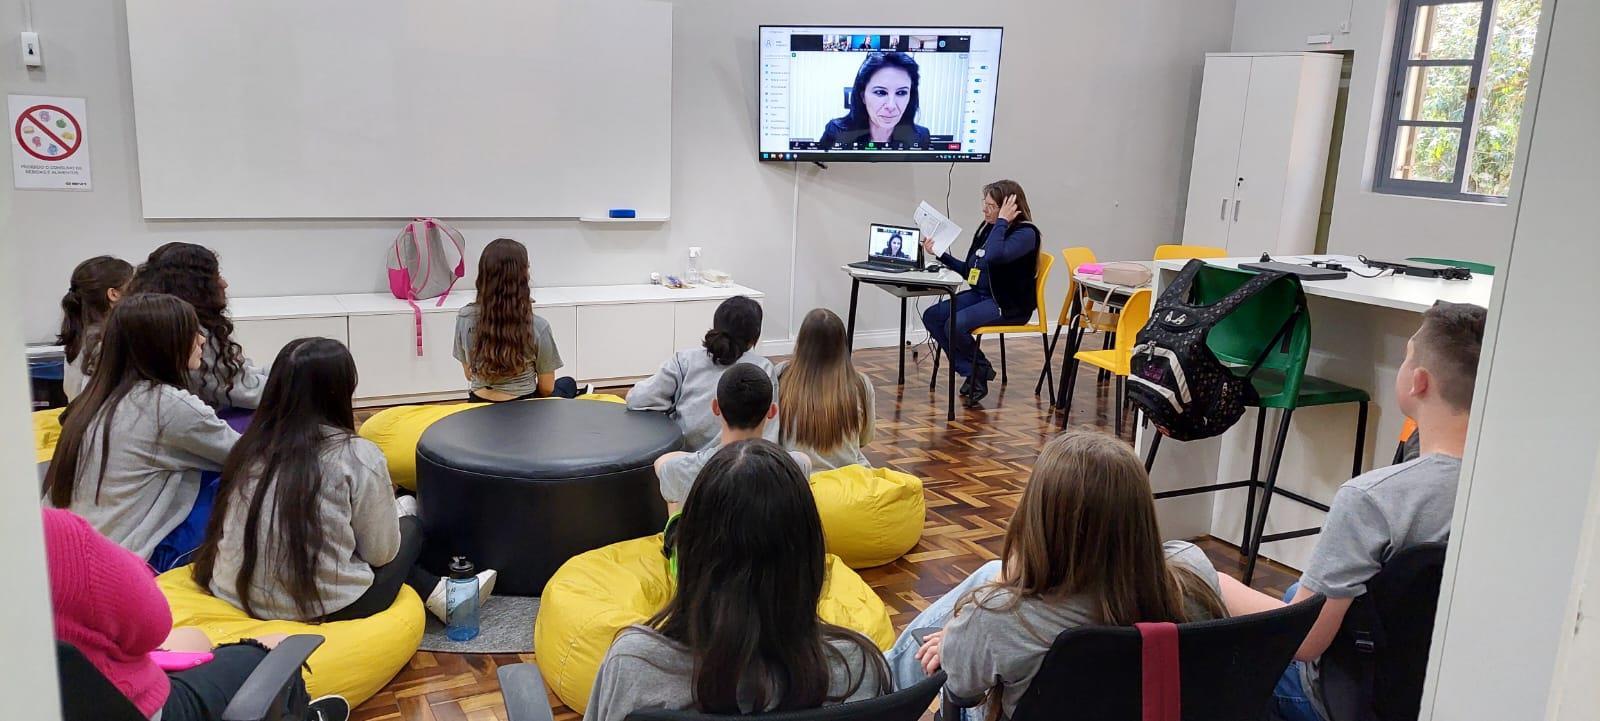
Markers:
point(878, 93)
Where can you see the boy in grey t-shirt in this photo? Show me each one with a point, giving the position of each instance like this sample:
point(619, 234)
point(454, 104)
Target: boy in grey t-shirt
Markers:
point(744, 405)
point(1382, 512)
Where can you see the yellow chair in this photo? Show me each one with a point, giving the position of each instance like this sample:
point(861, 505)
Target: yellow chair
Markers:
point(1040, 326)
point(1135, 313)
point(1185, 252)
point(46, 433)
point(596, 594)
point(1093, 316)
point(397, 430)
point(357, 658)
point(870, 516)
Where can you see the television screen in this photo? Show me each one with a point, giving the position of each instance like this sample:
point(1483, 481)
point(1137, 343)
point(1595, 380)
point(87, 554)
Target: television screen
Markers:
point(835, 93)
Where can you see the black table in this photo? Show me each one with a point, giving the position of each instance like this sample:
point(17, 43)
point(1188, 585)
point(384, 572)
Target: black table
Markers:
point(905, 286)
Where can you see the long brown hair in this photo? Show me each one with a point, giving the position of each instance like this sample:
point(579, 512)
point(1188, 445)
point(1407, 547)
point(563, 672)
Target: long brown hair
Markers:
point(502, 343)
point(821, 399)
point(1086, 527)
point(147, 337)
point(752, 563)
point(999, 189)
point(307, 394)
point(87, 301)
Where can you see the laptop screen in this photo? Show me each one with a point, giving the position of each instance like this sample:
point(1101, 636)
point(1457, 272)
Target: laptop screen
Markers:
point(895, 244)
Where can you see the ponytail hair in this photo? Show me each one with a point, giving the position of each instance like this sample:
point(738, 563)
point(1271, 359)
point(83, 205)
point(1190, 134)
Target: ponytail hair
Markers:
point(734, 330)
point(85, 305)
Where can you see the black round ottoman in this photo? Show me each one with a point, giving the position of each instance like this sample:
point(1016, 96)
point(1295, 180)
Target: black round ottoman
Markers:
point(521, 487)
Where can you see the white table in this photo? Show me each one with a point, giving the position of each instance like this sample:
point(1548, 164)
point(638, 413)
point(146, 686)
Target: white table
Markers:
point(1359, 329)
point(914, 284)
point(1088, 288)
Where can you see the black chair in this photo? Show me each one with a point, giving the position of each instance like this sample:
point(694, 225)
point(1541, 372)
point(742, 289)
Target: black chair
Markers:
point(1373, 670)
point(86, 695)
point(1227, 669)
point(523, 689)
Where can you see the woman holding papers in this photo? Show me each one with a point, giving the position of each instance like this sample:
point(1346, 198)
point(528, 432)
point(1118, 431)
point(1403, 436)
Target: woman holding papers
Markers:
point(1001, 267)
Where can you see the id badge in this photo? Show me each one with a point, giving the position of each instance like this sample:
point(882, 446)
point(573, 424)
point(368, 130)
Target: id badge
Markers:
point(972, 277)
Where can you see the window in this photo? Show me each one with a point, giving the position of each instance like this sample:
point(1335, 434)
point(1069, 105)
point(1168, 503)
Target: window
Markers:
point(1456, 90)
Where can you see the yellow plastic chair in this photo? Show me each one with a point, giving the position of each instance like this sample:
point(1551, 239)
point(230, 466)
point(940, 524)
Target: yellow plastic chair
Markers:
point(1185, 252)
point(1040, 326)
point(1093, 315)
point(1116, 360)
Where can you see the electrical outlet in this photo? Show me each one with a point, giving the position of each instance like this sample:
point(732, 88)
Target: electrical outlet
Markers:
point(30, 50)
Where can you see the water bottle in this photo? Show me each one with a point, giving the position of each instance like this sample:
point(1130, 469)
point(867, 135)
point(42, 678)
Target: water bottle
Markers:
point(692, 276)
point(461, 601)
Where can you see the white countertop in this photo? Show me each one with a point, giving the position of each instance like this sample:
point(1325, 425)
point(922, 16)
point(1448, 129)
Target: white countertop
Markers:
point(1402, 292)
point(348, 304)
point(944, 278)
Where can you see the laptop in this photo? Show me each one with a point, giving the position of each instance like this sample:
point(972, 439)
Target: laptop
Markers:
point(892, 249)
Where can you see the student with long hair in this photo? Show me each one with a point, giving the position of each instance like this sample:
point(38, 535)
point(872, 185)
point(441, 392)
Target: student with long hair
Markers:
point(306, 527)
point(687, 382)
point(226, 378)
point(106, 605)
point(741, 632)
point(1082, 549)
point(135, 444)
point(506, 351)
point(826, 407)
point(96, 285)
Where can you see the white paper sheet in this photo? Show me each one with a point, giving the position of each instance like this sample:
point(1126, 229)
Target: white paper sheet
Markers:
point(934, 225)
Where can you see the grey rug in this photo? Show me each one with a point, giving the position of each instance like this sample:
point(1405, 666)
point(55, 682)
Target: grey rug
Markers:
point(505, 625)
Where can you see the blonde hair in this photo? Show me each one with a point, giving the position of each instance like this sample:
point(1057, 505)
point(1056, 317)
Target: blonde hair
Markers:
point(821, 399)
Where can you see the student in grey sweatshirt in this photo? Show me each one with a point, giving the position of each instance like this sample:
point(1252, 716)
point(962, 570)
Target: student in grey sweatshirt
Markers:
point(308, 527)
point(134, 444)
point(744, 404)
point(226, 378)
point(751, 568)
point(96, 285)
point(825, 406)
point(687, 382)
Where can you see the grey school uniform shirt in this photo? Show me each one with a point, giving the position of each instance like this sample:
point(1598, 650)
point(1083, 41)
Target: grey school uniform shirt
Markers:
point(546, 358)
point(161, 439)
point(684, 387)
point(246, 388)
point(355, 508)
point(846, 453)
point(677, 475)
point(644, 669)
point(994, 643)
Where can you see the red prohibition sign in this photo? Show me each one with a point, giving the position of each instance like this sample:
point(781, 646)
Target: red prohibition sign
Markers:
point(29, 119)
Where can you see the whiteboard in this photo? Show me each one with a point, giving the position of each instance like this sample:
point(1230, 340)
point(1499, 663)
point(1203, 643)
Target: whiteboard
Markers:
point(401, 108)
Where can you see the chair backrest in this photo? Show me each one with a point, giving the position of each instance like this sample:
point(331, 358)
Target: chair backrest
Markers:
point(1046, 261)
point(1074, 258)
point(1374, 669)
point(1474, 266)
point(86, 695)
point(1227, 668)
point(1185, 252)
point(1135, 314)
point(1242, 336)
point(907, 704)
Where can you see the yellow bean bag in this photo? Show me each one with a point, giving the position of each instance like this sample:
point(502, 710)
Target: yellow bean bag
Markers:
point(870, 516)
point(357, 658)
point(46, 432)
point(594, 595)
point(397, 430)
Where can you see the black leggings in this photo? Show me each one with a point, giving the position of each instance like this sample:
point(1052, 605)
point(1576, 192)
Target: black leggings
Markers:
point(202, 692)
point(386, 580)
point(565, 387)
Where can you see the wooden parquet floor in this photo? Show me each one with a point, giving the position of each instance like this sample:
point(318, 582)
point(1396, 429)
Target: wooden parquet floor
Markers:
point(973, 471)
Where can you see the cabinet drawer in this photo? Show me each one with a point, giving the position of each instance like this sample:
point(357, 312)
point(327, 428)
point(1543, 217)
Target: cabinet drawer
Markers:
point(262, 339)
point(385, 349)
point(624, 341)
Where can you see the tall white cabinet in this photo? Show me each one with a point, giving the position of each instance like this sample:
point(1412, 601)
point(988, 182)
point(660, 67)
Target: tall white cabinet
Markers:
point(1261, 151)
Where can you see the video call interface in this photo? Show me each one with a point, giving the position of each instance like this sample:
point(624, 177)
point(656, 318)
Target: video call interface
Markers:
point(878, 93)
point(892, 243)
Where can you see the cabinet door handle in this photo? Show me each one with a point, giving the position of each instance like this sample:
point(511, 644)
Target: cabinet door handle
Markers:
point(1236, 205)
point(1224, 214)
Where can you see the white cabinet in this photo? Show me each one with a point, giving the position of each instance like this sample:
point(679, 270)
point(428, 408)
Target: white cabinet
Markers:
point(262, 339)
point(385, 349)
point(1261, 152)
point(625, 340)
point(690, 321)
point(563, 322)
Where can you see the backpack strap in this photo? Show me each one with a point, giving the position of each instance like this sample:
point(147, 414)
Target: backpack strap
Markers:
point(1257, 283)
point(1162, 684)
point(461, 258)
point(1178, 290)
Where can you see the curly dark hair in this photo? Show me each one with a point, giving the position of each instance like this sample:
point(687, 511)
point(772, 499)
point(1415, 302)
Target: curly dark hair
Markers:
point(503, 343)
point(191, 272)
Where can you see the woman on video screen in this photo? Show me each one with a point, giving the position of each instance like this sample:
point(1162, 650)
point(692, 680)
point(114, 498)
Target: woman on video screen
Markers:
point(895, 248)
point(883, 106)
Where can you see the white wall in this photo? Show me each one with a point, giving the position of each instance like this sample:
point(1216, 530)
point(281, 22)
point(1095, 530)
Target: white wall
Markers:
point(1530, 465)
point(1363, 221)
point(1095, 118)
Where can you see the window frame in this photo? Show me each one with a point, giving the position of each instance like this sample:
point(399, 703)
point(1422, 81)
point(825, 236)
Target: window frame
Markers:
point(1399, 68)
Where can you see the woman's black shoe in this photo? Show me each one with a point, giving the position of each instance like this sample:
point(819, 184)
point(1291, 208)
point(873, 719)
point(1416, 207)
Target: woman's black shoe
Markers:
point(979, 390)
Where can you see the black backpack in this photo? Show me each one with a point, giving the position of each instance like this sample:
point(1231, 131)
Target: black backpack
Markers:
point(1175, 378)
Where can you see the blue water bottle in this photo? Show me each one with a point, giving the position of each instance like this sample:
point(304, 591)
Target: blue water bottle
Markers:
point(461, 601)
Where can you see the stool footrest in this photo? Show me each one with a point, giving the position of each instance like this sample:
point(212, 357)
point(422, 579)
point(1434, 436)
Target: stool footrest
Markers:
point(1286, 535)
point(1213, 488)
